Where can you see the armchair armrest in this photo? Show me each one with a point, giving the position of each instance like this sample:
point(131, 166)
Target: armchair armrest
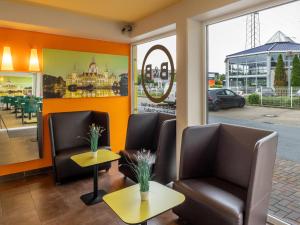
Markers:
point(198, 149)
point(260, 184)
point(102, 119)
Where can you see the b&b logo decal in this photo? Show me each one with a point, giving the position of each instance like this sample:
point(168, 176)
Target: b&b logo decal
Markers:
point(164, 74)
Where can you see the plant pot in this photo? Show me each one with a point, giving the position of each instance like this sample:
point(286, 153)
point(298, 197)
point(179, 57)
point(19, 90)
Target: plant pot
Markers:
point(95, 154)
point(144, 195)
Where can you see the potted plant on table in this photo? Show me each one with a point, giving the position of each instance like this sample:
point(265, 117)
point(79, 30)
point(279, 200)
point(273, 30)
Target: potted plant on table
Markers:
point(142, 169)
point(93, 138)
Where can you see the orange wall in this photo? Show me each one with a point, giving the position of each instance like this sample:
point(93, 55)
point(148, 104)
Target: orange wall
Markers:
point(118, 107)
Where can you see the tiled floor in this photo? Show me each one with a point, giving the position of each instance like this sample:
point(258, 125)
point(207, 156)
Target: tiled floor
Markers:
point(37, 201)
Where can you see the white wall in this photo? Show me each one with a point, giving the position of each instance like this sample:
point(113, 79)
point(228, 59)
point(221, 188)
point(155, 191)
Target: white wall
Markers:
point(180, 11)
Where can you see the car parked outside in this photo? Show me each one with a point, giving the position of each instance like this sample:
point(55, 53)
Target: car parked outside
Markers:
point(221, 98)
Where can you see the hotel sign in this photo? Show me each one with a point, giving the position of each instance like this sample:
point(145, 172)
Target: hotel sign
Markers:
point(158, 77)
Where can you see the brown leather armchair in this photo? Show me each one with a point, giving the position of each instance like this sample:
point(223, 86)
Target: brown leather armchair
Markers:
point(65, 130)
point(155, 132)
point(226, 174)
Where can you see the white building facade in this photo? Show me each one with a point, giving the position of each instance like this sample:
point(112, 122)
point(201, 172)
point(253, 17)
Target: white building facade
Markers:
point(254, 68)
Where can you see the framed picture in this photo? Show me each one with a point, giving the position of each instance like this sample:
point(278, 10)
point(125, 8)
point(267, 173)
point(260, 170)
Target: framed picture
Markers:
point(74, 74)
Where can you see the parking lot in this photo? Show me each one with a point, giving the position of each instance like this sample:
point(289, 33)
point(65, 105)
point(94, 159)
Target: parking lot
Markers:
point(289, 117)
point(285, 121)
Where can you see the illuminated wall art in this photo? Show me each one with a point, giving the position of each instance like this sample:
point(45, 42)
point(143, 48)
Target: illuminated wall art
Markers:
point(73, 74)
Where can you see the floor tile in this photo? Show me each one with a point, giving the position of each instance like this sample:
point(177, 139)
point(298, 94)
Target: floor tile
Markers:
point(37, 200)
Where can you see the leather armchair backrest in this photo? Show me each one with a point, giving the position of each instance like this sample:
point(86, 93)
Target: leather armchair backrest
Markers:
point(67, 127)
point(162, 117)
point(140, 131)
point(102, 119)
point(235, 153)
point(198, 150)
point(165, 164)
point(260, 185)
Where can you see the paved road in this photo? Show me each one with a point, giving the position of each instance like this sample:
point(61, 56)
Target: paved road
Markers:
point(289, 137)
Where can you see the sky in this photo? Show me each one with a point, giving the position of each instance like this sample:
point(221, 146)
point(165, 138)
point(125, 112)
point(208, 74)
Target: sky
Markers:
point(229, 37)
point(157, 56)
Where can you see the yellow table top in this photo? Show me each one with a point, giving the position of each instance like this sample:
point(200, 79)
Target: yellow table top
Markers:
point(87, 159)
point(127, 204)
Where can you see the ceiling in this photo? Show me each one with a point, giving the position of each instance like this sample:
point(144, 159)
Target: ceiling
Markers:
point(116, 10)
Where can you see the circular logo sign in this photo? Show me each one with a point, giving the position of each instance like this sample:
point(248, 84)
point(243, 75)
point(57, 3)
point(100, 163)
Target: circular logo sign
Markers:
point(158, 73)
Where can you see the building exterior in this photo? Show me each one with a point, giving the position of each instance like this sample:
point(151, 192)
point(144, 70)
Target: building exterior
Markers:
point(254, 68)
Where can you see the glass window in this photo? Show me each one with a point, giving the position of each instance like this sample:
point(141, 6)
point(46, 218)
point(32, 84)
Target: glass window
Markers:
point(251, 59)
point(240, 69)
point(229, 93)
point(152, 91)
point(251, 82)
point(222, 92)
point(261, 82)
point(234, 69)
point(262, 67)
point(272, 108)
point(261, 58)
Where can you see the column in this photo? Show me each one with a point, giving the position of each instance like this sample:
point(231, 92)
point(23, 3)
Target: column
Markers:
point(191, 77)
point(269, 80)
point(227, 73)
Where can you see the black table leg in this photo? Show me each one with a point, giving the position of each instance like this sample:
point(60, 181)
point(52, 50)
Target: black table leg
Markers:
point(95, 196)
point(95, 181)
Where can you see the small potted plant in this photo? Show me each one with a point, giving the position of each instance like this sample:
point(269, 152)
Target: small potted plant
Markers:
point(93, 138)
point(142, 169)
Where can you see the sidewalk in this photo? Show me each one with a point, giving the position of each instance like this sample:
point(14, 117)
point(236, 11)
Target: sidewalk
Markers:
point(285, 198)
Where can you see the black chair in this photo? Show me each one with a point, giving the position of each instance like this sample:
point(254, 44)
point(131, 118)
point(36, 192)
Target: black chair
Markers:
point(226, 174)
point(155, 132)
point(65, 130)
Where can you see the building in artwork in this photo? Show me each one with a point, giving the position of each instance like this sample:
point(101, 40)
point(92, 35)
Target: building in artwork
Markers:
point(93, 76)
point(254, 68)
